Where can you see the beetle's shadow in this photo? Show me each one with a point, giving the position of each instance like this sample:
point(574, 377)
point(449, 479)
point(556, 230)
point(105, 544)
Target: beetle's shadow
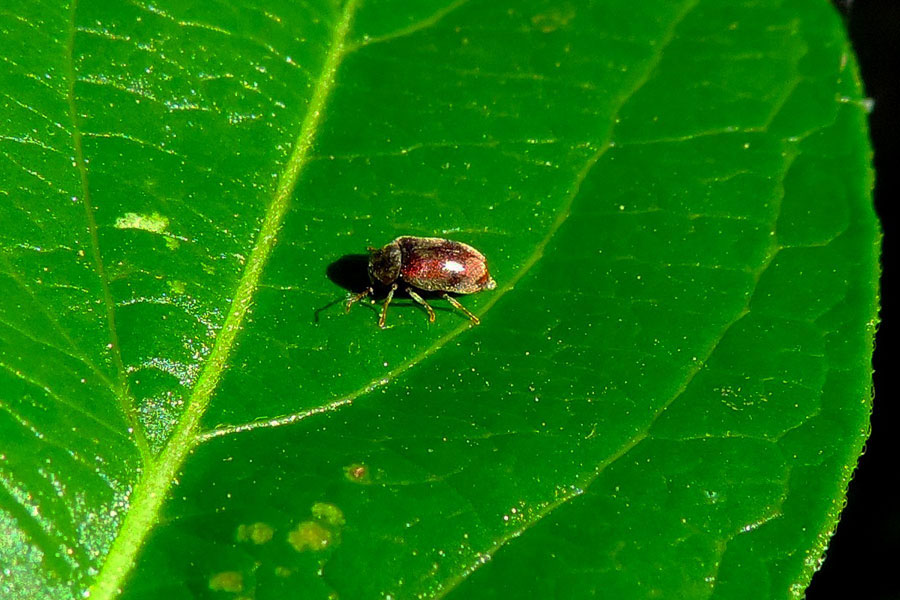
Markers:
point(351, 272)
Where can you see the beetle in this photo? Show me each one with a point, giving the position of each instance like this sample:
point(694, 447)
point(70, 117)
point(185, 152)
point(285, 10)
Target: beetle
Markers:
point(429, 264)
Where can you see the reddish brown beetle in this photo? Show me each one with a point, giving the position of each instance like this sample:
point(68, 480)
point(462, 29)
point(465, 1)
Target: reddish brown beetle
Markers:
point(429, 264)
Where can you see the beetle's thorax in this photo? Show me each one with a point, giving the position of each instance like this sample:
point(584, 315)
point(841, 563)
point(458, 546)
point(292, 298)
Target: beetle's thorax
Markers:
point(385, 263)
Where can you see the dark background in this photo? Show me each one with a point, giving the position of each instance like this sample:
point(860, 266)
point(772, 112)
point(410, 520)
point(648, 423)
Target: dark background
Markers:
point(864, 556)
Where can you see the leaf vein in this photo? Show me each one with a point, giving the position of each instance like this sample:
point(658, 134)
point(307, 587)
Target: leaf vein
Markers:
point(60, 399)
point(158, 477)
point(633, 442)
point(430, 21)
point(126, 403)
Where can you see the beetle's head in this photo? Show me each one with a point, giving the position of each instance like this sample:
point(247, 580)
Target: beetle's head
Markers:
point(384, 264)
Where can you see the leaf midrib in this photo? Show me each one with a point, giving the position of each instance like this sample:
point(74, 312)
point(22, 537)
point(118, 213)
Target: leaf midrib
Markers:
point(159, 475)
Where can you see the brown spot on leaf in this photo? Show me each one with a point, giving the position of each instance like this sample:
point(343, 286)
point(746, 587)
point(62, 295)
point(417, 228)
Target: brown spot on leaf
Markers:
point(357, 473)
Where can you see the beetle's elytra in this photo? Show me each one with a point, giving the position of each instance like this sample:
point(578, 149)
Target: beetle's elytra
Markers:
point(428, 264)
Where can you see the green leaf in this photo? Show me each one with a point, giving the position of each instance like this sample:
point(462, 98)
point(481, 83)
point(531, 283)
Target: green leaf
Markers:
point(670, 386)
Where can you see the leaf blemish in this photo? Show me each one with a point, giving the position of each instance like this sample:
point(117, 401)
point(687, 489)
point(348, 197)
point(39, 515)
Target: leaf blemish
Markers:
point(320, 532)
point(227, 581)
point(177, 287)
point(357, 473)
point(154, 222)
point(554, 19)
point(328, 514)
point(282, 572)
point(310, 535)
point(258, 533)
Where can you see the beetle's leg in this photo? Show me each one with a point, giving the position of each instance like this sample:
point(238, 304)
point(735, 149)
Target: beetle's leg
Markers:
point(455, 303)
point(356, 298)
point(421, 300)
point(387, 301)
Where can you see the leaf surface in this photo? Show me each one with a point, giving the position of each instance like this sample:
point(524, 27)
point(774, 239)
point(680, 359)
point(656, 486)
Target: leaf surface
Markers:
point(670, 385)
